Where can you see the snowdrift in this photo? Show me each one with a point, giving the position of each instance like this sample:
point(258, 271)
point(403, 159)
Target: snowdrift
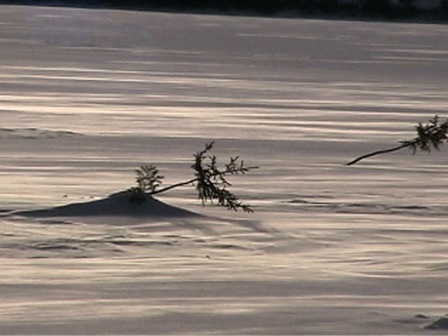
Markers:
point(116, 204)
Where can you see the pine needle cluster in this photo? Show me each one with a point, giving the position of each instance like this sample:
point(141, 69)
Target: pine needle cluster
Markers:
point(211, 182)
point(429, 136)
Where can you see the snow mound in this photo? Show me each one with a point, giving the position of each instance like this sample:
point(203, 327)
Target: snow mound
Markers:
point(441, 323)
point(117, 204)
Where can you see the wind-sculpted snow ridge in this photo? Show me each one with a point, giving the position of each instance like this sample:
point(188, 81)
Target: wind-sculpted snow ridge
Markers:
point(34, 133)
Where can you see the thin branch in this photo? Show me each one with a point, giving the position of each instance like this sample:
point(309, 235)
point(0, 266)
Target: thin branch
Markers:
point(193, 180)
point(384, 151)
point(180, 184)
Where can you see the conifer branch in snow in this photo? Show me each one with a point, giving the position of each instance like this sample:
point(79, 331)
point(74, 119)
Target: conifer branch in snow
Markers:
point(210, 182)
point(430, 136)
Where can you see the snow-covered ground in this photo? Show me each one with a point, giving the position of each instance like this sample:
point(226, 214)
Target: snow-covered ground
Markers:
point(87, 96)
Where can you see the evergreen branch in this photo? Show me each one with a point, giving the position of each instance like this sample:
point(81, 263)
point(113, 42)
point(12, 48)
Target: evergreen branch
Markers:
point(210, 182)
point(193, 180)
point(429, 136)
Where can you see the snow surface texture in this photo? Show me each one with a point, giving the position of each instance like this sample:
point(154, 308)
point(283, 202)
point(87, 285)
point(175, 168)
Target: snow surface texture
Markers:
point(87, 96)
